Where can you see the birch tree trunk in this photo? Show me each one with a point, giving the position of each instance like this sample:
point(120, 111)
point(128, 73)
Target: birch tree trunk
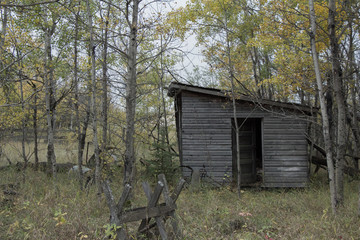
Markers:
point(162, 96)
point(80, 147)
point(131, 85)
point(93, 99)
point(323, 108)
point(340, 101)
point(50, 86)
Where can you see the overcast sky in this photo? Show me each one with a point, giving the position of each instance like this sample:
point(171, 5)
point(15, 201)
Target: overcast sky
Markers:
point(194, 59)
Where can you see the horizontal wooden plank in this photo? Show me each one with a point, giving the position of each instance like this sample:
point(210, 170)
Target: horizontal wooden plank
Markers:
point(285, 174)
point(206, 125)
point(142, 213)
point(206, 136)
point(206, 121)
point(187, 97)
point(286, 142)
point(207, 139)
point(207, 143)
point(207, 130)
point(284, 157)
point(284, 153)
point(287, 163)
point(284, 132)
point(207, 105)
point(276, 137)
point(191, 101)
point(285, 185)
point(272, 179)
point(286, 119)
point(285, 126)
point(216, 175)
point(282, 147)
point(219, 115)
point(209, 147)
point(220, 109)
point(286, 169)
point(188, 145)
point(195, 110)
point(201, 98)
point(204, 153)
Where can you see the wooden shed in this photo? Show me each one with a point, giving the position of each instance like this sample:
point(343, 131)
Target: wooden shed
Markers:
point(273, 145)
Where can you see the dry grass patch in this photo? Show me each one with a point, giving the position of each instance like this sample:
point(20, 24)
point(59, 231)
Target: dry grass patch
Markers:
point(42, 210)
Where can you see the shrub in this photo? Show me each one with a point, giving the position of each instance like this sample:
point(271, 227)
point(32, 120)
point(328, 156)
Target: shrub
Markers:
point(162, 159)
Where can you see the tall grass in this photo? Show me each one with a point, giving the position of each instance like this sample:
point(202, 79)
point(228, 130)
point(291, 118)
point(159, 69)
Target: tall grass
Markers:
point(44, 210)
point(65, 152)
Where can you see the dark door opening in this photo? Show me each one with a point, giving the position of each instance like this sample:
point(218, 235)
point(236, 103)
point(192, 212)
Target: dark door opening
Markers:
point(250, 150)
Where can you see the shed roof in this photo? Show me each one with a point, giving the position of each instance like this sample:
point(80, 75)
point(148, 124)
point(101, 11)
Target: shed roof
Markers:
point(176, 88)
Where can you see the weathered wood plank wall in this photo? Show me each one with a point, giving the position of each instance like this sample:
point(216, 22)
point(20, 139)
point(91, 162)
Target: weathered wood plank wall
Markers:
point(205, 139)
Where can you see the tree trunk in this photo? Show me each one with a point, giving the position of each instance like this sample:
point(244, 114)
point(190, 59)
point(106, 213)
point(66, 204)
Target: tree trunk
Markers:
point(323, 107)
point(340, 101)
point(104, 110)
point(352, 113)
point(131, 85)
point(254, 61)
point(268, 76)
point(3, 27)
point(2, 41)
point(238, 162)
point(80, 147)
point(93, 100)
point(23, 126)
point(50, 103)
point(163, 102)
point(35, 128)
point(232, 78)
point(359, 203)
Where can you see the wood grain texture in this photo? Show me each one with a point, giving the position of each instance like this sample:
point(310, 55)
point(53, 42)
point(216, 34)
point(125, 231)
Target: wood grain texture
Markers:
point(206, 139)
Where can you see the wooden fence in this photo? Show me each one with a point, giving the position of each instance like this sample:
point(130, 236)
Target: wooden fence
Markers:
point(159, 212)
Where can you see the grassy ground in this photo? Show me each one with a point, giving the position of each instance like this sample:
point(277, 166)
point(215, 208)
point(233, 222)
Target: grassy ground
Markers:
point(65, 152)
point(44, 210)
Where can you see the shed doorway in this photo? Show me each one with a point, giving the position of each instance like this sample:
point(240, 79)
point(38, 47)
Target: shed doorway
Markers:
point(250, 142)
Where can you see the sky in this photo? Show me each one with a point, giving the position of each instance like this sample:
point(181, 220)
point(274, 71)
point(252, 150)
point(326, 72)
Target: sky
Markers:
point(194, 59)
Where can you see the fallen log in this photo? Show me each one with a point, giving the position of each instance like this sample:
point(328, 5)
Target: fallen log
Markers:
point(352, 172)
point(42, 166)
point(317, 147)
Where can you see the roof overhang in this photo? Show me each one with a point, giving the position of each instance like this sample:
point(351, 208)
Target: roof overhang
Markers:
point(176, 88)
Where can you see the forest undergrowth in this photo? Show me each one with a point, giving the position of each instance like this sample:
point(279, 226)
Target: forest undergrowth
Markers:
point(42, 209)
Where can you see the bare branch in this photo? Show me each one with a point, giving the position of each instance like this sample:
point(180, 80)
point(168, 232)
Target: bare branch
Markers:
point(27, 5)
